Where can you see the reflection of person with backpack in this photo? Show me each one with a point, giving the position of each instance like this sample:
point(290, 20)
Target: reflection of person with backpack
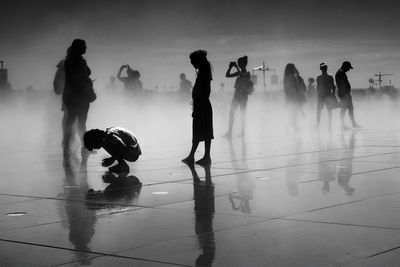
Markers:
point(78, 91)
point(243, 88)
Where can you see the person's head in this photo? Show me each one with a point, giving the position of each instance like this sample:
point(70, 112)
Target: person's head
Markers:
point(182, 76)
point(136, 74)
point(323, 67)
point(346, 66)
point(311, 80)
point(290, 70)
point(130, 72)
point(93, 139)
point(77, 48)
point(200, 62)
point(242, 62)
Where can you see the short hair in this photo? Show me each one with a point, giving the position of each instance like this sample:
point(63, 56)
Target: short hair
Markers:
point(92, 138)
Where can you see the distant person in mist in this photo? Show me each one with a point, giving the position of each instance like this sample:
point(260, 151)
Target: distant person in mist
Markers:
point(241, 94)
point(294, 89)
point(78, 92)
point(326, 93)
point(202, 111)
point(112, 86)
point(132, 81)
point(344, 95)
point(311, 87)
point(185, 86)
point(119, 142)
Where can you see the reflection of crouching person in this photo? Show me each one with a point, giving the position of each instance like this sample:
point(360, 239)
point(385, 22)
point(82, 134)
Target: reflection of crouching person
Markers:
point(120, 143)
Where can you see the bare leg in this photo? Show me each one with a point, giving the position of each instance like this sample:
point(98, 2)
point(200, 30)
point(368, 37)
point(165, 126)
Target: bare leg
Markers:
point(330, 118)
point(206, 160)
point(342, 113)
point(243, 112)
point(190, 159)
point(234, 105)
point(68, 132)
point(319, 110)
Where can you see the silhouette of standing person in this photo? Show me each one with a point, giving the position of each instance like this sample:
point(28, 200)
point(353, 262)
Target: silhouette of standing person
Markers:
point(202, 110)
point(294, 89)
point(131, 82)
point(241, 94)
point(344, 95)
point(326, 93)
point(78, 92)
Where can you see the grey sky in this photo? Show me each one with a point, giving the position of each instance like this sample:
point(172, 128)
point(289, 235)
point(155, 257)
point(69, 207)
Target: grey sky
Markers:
point(155, 34)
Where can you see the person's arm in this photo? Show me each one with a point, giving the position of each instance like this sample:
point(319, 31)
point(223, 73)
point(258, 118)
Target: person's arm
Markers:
point(333, 86)
point(119, 73)
point(228, 72)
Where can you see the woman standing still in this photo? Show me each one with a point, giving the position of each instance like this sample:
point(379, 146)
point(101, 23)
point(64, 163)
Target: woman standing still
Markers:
point(202, 110)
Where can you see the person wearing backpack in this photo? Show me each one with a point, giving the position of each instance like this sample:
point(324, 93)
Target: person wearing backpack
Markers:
point(78, 92)
point(243, 88)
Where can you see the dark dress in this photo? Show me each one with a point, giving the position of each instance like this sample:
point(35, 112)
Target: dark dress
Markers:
point(202, 110)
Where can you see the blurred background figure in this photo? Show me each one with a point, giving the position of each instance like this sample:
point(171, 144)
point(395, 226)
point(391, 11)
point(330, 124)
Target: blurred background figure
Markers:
point(242, 91)
point(311, 87)
point(111, 85)
point(344, 89)
point(185, 86)
point(294, 89)
point(326, 93)
point(132, 81)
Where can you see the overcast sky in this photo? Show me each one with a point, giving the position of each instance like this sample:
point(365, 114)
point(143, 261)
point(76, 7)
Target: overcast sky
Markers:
point(156, 36)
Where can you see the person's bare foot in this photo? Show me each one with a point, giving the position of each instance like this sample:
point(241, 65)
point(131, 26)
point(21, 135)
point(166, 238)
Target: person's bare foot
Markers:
point(205, 161)
point(188, 160)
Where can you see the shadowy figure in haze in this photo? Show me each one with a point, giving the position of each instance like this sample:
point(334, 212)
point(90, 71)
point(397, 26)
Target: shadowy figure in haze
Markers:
point(119, 142)
point(185, 86)
point(78, 92)
point(112, 86)
point(202, 111)
point(204, 208)
point(131, 82)
point(241, 95)
point(294, 89)
point(311, 87)
point(326, 93)
point(344, 95)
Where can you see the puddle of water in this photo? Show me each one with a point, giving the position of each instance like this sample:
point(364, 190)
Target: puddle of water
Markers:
point(263, 178)
point(160, 193)
point(17, 213)
point(70, 186)
point(175, 173)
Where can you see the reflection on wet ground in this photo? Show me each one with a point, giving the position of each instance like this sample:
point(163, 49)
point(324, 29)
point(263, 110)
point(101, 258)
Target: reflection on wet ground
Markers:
point(311, 198)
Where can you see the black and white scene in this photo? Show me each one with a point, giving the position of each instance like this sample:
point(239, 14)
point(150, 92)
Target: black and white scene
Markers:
point(200, 133)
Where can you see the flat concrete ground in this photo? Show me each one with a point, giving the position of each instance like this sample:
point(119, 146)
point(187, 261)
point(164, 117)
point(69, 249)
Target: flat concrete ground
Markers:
point(271, 198)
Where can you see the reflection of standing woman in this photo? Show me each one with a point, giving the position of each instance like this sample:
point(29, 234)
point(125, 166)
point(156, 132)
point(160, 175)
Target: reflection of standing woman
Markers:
point(78, 92)
point(294, 89)
point(202, 110)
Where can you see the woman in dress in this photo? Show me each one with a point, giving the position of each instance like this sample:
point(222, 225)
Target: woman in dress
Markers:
point(202, 110)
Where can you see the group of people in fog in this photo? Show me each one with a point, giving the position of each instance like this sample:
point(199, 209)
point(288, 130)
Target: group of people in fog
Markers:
point(78, 92)
point(295, 94)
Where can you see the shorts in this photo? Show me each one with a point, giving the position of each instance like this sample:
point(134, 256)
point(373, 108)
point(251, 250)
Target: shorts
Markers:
point(346, 102)
point(239, 100)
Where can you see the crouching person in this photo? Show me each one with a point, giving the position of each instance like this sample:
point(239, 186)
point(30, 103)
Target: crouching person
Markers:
point(120, 143)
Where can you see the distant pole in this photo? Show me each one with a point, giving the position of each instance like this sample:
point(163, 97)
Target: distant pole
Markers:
point(265, 86)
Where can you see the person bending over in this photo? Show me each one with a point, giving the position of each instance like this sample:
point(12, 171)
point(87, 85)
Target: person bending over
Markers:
point(119, 142)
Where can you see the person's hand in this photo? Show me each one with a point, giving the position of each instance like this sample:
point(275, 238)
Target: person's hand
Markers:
point(107, 162)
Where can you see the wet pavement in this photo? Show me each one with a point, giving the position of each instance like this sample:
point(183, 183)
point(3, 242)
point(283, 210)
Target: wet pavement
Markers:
point(271, 198)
